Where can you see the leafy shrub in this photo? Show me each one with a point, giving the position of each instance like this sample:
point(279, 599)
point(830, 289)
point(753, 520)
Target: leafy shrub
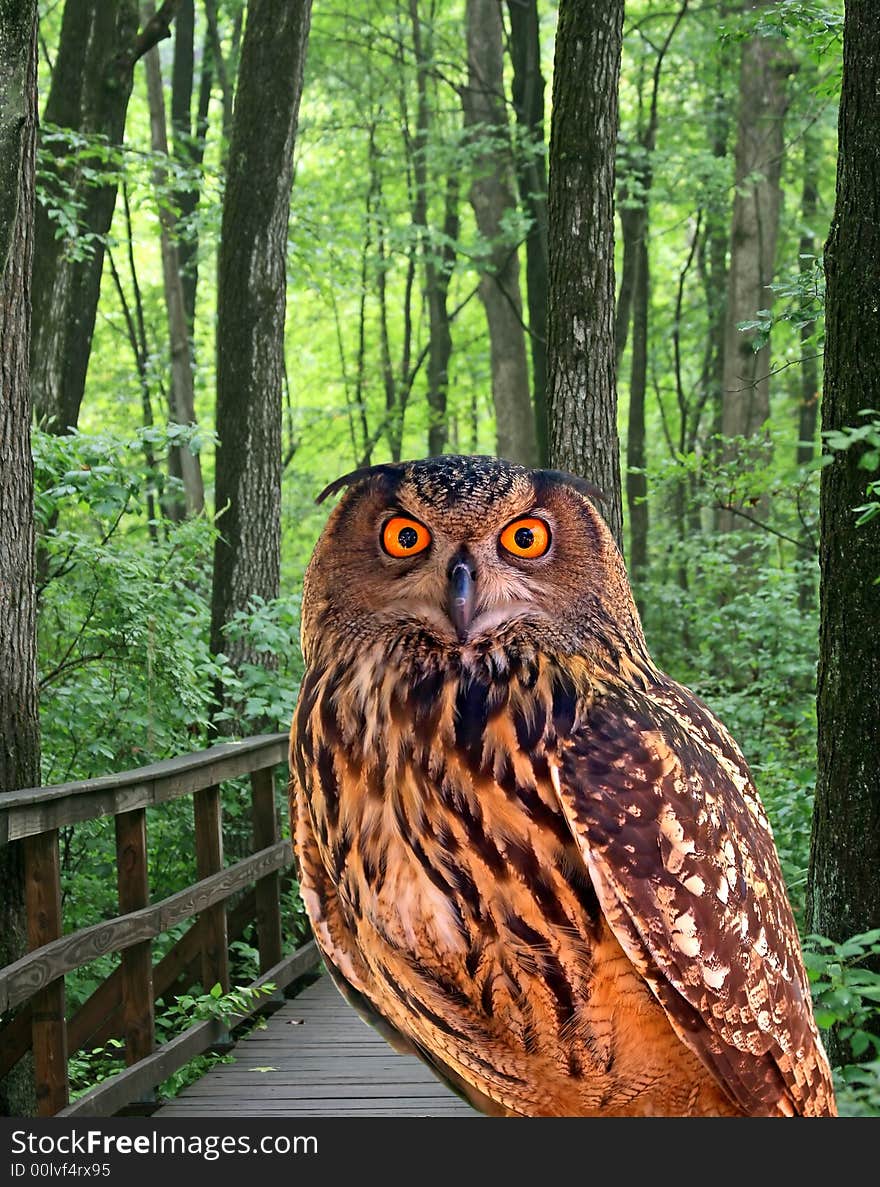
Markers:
point(846, 995)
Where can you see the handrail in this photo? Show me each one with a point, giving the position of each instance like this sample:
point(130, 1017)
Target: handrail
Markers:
point(123, 1003)
point(36, 810)
point(28, 975)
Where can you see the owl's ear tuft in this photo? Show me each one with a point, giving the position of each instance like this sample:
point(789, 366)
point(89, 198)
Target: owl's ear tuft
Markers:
point(573, 480)
point(383, 470)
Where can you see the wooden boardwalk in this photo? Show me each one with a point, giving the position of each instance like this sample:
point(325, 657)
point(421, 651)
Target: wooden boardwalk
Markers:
point(317, 1058)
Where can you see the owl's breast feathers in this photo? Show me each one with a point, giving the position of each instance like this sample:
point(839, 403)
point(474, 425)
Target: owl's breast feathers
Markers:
point(559, 887)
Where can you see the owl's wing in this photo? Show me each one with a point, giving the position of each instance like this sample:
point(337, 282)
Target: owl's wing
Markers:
point(685, 867)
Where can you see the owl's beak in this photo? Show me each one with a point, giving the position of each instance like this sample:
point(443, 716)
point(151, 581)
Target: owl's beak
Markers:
point(462, 585)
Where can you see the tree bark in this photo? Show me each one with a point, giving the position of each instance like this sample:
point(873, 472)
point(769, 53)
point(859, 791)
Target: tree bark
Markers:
point(843, 896)
point(91, 86)
point(225, 77)
point(492, 197)
point(581, 391)
point(808, 410)
point(250, 316)
point(182, 391)
point(763, 98)
point(437, 263)
point(19, 699)
point(636, 245)
point(188, 148)
point(636, 459)
point(714, 272)
point(531, 174)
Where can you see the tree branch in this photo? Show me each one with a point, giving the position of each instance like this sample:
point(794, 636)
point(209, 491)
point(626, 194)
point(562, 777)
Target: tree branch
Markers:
point(157, 28)
point(804, 547)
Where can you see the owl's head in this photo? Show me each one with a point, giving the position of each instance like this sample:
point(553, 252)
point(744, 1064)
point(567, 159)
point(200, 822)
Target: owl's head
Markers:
point(465, 552)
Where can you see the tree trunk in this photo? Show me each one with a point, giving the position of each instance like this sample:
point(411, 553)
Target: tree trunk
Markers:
point(582, 397)
point(531, 175)
point(189, 146)
point(842, 892)
point(440, 350)
point(225, 77)
point(809, 370)
point(91, 86)
point(763, 100)
point(635, 228)
point(250, 316)
point(19, 701)
point(437, 263)
point(492, 198)
point(636, 479)
point(182, 392)
point(630, 228)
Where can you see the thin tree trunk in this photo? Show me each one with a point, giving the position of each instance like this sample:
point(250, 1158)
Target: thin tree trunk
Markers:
point(440, 324)
point(763, 98)
point(630, 224)
point(809, 370)
point(140, 359)
point(492, 197)
point(531, 175)
point(221, 68)
point(19, 701)
point(636, 460)
point(250, 318)
point(182, 391)
point(437, 265)
point(189, 148)
point(582, 396)
point(843, 895)
point(91, 86)
point(636, 456)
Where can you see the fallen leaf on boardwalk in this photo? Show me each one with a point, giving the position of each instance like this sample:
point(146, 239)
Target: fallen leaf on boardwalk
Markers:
point(262, 1069)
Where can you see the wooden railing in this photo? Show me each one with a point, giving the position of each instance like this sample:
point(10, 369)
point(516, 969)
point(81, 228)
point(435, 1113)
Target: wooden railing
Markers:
point(123, 1005)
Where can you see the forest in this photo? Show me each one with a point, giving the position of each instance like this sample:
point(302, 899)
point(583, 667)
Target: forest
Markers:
point(251, 245)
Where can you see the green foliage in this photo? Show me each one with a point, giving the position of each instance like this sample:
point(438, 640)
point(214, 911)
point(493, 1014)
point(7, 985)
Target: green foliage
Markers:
point(88, 1068)
point(91, 1067)
point(189, 1008)
point(261, 691)
point(866, 438)
point(125, 670)
point(846, 993)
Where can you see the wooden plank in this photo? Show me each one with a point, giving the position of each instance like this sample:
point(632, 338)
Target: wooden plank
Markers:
point(207, 813)
point(117, 1091)
point(317, 1058)
point(19, 981)
point(265, 825)
point(27, 813)
point(136, 972)
point(42, 874)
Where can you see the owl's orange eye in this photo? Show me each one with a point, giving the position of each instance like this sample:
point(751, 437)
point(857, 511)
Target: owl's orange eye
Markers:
point(527, 538)
point(402, 536)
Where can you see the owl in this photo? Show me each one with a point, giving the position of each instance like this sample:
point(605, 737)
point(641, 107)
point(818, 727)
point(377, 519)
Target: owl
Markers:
point(528, 855)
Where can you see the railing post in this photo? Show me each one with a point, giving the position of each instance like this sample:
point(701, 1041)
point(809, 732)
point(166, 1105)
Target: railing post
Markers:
point(266, 832)
point(133, 884)
point(209, 860)
point(49, 1029)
